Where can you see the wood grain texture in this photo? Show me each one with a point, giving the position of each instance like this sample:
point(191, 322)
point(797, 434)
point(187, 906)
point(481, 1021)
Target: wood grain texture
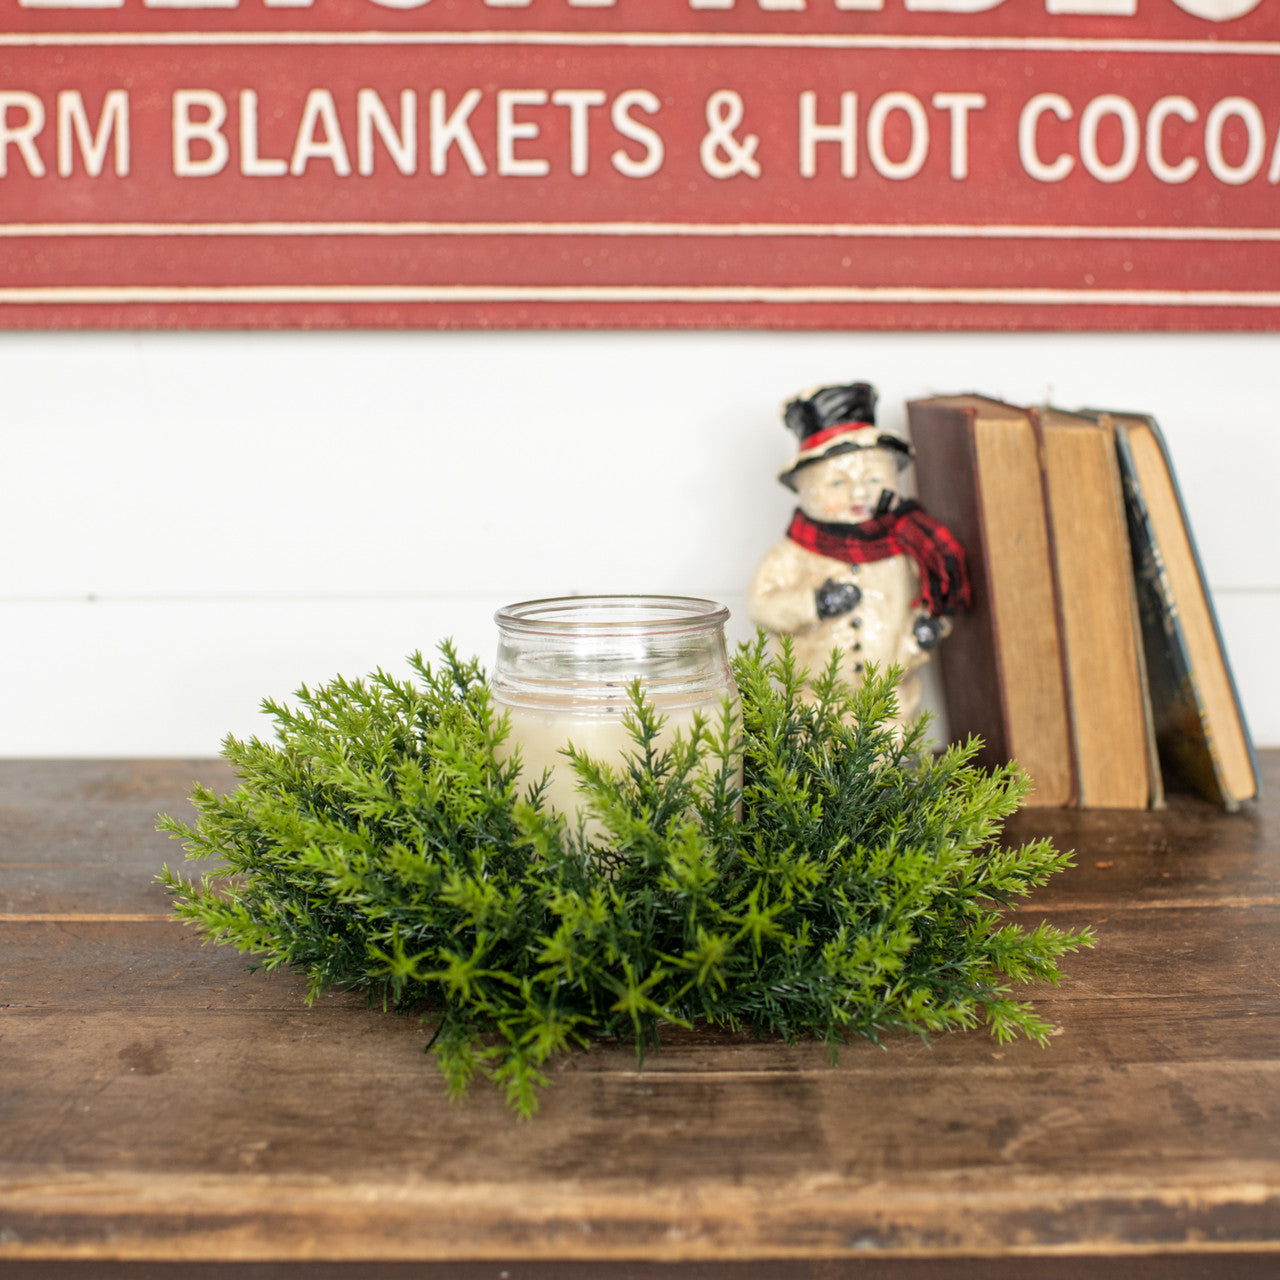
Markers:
point(161, 1107)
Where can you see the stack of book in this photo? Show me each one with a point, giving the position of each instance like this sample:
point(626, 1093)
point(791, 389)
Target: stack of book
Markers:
point(1091, 654)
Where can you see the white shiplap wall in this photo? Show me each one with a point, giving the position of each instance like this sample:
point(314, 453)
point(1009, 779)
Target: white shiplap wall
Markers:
point(192, 521)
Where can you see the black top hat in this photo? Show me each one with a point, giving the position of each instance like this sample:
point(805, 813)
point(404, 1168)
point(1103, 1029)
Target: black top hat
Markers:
point(837, 419)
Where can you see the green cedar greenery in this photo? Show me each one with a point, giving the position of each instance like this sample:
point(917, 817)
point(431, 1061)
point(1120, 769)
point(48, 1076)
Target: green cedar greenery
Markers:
point(802, 872)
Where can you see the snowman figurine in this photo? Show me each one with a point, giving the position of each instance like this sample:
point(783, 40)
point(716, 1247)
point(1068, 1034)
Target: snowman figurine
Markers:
point(861, 571)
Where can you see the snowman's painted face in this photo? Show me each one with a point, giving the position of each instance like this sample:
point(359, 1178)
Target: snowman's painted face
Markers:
point(846, 488)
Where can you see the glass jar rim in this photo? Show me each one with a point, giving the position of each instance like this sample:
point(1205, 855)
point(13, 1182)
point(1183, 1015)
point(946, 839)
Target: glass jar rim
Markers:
point(611, 615)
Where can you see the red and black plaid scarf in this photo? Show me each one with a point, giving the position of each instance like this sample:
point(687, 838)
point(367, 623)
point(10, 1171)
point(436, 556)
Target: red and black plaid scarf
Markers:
point(906, 530)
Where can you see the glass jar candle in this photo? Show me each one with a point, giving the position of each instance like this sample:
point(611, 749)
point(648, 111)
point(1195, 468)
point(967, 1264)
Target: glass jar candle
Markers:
point(565, 666)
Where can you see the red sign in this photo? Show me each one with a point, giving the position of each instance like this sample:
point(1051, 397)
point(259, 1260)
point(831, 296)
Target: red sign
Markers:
point(1052, 164)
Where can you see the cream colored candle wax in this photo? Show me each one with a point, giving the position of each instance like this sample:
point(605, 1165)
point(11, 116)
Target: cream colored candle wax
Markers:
point(542, 736)
point(565, 666)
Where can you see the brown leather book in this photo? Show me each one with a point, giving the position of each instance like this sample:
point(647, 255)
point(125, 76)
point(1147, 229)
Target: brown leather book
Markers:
point(1106, 670)
point(1003, 672)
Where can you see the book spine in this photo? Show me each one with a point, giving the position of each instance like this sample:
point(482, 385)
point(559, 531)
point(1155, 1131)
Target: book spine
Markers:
point(1059, 617)
point(947, 484)
point(1158, 436)
point(1180, 719)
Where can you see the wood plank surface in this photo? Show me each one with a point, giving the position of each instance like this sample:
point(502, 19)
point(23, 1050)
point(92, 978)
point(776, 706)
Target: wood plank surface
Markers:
point(165, 1112)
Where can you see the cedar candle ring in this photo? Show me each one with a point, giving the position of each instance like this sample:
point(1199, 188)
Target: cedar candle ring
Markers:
point(565, 666)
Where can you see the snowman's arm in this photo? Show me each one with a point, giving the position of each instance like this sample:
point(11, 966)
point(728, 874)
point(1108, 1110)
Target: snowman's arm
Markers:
point(781, 595)
point(920, 638)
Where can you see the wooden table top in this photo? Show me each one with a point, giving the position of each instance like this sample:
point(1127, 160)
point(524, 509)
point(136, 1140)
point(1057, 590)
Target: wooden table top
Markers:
point(166, 1112)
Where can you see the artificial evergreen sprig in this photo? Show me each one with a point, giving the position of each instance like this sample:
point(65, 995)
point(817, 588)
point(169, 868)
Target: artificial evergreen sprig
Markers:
point(800, 871)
